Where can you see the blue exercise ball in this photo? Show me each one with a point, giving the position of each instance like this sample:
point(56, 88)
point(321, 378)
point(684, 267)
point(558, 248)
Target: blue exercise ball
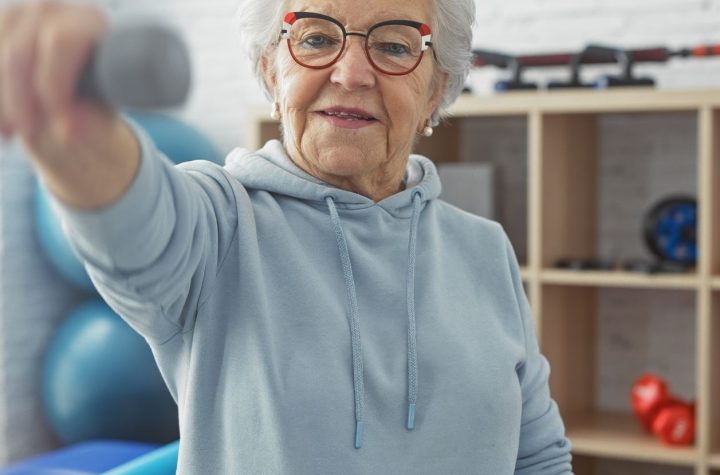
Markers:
point(57, 248)
point(177, 140)
point(100, 381)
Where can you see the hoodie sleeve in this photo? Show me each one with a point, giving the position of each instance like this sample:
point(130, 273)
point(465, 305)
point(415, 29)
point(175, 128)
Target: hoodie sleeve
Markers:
point(154, 254)
point(543, 449)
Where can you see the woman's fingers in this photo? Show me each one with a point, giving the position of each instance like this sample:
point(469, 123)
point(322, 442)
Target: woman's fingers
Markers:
point(64, 49)
point(19, 55)
point(8, 19)
point(44, 46)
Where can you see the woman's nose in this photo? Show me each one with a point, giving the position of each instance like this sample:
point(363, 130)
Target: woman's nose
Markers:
point(353, 70)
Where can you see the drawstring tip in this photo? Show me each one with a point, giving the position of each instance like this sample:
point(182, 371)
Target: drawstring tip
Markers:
point(359, 434)
point(411, 416)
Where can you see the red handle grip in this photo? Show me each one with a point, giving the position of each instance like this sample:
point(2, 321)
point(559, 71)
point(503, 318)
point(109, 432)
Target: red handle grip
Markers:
point(707, 50)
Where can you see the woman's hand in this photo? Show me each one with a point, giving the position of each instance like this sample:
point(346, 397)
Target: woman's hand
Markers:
point(83, 150)
point(43, 49)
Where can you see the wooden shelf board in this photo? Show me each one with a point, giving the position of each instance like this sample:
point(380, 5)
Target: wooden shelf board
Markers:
point(525, 273)
point(714, 461)
point(613, 101)
point(716, 283)
point(622, 100)
point(619, 279)
point(619, 436)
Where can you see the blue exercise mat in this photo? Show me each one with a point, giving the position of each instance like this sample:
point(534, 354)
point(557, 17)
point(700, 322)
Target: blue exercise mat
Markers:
point(162, 461)
point(87, 458)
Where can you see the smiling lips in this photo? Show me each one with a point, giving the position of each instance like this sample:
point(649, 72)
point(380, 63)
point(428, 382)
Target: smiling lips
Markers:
point(348, 118)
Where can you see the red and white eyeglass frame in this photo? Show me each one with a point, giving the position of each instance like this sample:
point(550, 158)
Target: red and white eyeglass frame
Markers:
point(292, 17)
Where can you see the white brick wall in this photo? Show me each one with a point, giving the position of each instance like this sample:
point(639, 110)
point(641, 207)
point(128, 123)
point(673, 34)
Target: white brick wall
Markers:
point(537, 26)
point(225, 89)
point(225, 86)
point(33, 301)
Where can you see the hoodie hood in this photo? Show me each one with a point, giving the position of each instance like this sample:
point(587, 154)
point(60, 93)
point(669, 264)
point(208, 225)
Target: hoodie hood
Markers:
point(272, 170)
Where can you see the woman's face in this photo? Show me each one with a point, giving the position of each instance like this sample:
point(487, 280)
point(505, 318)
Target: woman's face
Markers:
point(358, 155)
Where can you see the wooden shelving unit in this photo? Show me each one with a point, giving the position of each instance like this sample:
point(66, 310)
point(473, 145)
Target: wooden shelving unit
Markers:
point(563, 157)
point(619, 279)
point(618, 436)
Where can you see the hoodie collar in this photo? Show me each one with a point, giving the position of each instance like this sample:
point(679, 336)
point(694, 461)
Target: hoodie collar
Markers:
point(272, 170)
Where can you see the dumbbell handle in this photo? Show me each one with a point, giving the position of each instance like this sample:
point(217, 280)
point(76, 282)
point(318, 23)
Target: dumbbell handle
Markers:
point(140, 65)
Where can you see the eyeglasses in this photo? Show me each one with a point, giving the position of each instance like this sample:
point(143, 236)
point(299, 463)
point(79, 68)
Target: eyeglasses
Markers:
point(393, 47)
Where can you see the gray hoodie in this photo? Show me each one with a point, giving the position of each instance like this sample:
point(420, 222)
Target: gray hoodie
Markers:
point(304, 329)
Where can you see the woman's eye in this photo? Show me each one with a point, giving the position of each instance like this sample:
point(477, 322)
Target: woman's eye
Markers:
point(317, 41)
point(395, 49)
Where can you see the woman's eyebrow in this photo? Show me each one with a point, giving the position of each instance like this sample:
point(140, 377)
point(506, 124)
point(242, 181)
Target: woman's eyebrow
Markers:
point(386, 16)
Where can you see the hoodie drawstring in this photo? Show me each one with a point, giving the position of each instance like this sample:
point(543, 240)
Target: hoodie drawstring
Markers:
point(412, 340)
point(358, 379)
point(354, 324)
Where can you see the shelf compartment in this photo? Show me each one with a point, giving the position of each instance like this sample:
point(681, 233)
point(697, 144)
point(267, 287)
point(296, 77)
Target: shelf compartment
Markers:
point(569, 345)
point(618, 435)
point(502, 143)
point(602, 173)
point(714, 357)
point(598, 341)
point(570, 160)
point(620, 279)
point(714, 151)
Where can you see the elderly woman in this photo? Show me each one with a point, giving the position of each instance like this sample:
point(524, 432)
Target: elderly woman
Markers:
point(313, 306)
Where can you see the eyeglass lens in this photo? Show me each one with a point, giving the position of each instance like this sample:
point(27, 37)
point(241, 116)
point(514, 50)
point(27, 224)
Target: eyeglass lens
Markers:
point(317, 43)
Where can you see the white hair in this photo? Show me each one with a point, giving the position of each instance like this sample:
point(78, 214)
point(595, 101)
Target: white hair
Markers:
point(259, 23)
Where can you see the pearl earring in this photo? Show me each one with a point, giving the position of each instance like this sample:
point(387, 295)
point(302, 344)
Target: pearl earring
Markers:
point(427, 131)
point(275, 114)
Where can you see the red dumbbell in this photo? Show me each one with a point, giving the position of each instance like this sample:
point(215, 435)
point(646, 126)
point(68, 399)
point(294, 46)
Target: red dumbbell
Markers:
point(675, 423)
point(649, 394)
point(671, 419)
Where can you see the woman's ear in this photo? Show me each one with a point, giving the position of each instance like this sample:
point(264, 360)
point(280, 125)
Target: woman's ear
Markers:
point(269, 72)
point(440, 86)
